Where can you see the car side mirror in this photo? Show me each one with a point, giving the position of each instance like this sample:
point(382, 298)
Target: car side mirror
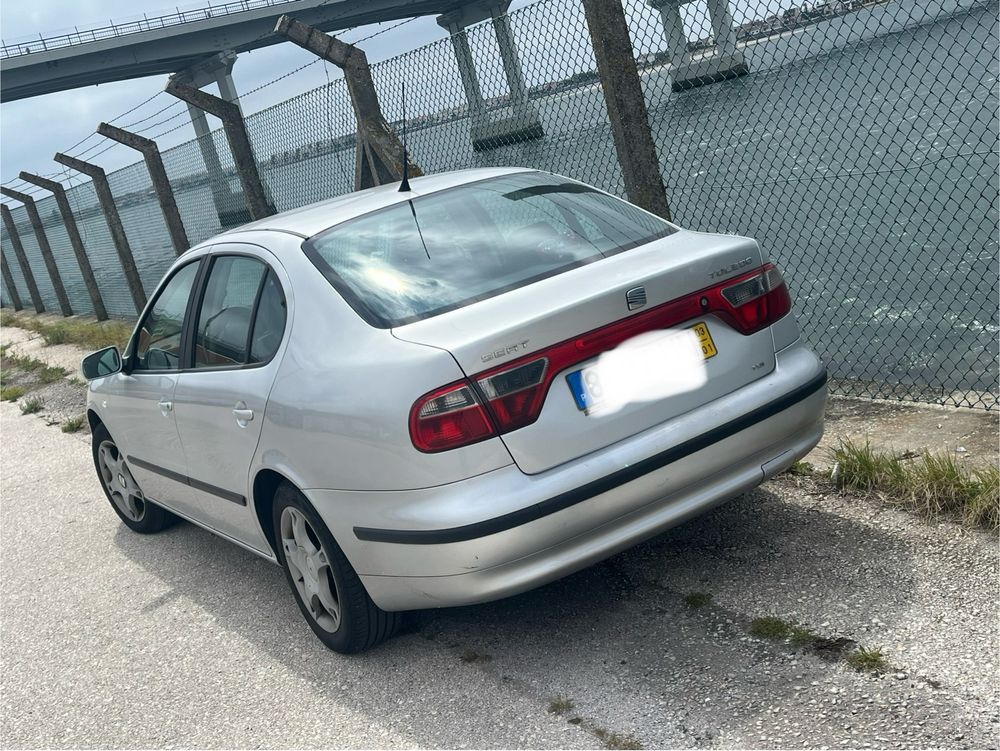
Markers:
point(102, 363)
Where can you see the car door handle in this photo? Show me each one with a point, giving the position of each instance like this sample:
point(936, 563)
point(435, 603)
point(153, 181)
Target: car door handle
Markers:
point(166, 407)
point(243, 416)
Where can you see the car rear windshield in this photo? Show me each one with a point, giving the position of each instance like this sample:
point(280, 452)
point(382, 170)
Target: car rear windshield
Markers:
point(446, 250)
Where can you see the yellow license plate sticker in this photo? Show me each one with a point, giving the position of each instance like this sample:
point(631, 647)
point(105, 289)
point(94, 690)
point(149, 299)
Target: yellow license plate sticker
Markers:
point(705, 339)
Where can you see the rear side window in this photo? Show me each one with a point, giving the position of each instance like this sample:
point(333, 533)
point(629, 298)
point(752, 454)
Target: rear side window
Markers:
point(241, 318)
point(446, 250)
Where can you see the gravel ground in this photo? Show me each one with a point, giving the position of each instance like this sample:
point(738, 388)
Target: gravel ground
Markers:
point(111, 639)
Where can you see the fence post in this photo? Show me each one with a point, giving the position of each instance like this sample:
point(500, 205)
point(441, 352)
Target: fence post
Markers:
point(161, 184)
point(73, 231)
point(239, 142)
point(114, 221)
point(43, 245)
point(22, 259)
point(379, 155)
point(626, 105)
point(8, 279)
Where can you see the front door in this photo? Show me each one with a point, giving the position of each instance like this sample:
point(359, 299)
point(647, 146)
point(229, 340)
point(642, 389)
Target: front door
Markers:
point(219, 401)
point(145, 424)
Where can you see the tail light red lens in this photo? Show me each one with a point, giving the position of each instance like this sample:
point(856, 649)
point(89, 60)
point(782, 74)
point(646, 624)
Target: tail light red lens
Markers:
point(447, 418)
point(511, 396)
point(758, 301)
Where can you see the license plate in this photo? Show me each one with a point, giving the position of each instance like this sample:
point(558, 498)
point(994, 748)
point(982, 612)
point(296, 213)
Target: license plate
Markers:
point(585, 384)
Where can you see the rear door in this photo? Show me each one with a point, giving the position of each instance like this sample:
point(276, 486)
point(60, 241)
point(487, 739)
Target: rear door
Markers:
point(239, 324)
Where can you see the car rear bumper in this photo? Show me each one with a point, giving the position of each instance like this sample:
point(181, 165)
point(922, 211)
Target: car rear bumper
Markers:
point(505, 532)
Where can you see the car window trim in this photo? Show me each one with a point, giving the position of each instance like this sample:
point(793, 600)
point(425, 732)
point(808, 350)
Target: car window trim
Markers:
point(190, 366)
point(131, 348)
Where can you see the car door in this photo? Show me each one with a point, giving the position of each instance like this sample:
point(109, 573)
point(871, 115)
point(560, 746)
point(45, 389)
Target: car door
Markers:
point(142, 416)
point(238, 325)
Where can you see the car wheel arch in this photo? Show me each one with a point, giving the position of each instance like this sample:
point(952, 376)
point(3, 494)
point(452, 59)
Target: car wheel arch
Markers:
point(93, 419)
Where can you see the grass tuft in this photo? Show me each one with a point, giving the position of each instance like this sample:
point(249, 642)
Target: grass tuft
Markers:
point(930, 484)
point(868, 660)
point(11, 393)
point(87, 334)
point(32, 405)
point(616, 740)
point(801, 469)
point(560, 705)
point(695, 600)
point(769, 627)
point(72, 424)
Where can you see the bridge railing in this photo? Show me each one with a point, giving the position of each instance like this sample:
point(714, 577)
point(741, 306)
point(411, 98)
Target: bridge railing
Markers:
point(34, 45)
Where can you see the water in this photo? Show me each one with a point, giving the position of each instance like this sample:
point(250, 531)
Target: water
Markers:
point(867, 173)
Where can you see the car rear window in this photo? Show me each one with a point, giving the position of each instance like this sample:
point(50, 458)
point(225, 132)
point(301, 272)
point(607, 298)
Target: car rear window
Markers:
point(446, 250)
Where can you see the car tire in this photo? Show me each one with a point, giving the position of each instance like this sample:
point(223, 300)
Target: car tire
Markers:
point(121, 489)
point(328, 591)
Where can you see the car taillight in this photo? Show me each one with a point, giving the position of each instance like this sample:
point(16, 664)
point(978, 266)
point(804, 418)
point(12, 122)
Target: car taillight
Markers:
point(448, 418)
point(511, 396)
point(757, 301)
point(514, 396)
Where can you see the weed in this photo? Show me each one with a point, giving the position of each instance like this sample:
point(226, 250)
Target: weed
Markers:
point(32, 405)
point(868, 660)
point(616, 740)
point(801, 469)
point(472, 656)
point(560, 705)
point(88, 334)
point(770, 628)
point(72, 424)
point(11, 393)
point(695, 600)
point(800, 636)
point(930, 484)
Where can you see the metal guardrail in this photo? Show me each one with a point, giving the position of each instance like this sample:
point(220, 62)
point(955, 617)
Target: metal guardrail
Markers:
point(31, 46)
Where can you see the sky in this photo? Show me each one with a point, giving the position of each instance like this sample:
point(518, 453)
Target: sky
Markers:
point(33, 130)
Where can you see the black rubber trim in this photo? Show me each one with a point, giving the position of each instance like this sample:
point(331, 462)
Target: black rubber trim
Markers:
point(596, 487)
point(190, 481)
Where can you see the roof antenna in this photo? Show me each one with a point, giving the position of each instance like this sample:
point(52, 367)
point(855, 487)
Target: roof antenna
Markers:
point(404, 185)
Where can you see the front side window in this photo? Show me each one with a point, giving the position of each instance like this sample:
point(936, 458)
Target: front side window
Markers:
point(159, 342)
point(435, 253)
point(226, 313)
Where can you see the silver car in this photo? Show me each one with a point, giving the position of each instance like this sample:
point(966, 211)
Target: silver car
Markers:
point(452, 394)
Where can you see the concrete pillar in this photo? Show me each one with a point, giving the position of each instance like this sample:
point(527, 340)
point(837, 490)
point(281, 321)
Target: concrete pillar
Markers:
point(626, 105)
point(161, 183)
point(216, 69)
point(673, 30)
point(44, 247)
point(508, 53)
point(492, 129)
point(8, 279)
point(75, 240)
point(724, 62)
point(222, 196)
point(115, 226)
point(722, 26)
point(466, 66)
point(379, 154)
point(239, 142)
point(22, 259)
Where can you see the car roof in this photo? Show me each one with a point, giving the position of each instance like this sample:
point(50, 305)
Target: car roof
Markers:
point(307, 221)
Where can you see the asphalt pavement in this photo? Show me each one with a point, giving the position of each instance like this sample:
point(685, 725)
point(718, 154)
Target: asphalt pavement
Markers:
point(111, 639)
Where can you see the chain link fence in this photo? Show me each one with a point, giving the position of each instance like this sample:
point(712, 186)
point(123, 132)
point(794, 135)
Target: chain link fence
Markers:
point(856, 140)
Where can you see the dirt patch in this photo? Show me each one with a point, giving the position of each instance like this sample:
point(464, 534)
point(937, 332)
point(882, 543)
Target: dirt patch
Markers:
point(969, 434)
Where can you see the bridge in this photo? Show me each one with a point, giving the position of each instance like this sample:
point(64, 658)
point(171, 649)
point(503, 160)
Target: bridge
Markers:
point(176, 42)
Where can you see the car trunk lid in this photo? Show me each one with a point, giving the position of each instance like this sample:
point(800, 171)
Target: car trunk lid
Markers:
point(574, 318)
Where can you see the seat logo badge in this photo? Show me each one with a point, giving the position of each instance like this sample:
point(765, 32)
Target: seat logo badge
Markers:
point(635, 298)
